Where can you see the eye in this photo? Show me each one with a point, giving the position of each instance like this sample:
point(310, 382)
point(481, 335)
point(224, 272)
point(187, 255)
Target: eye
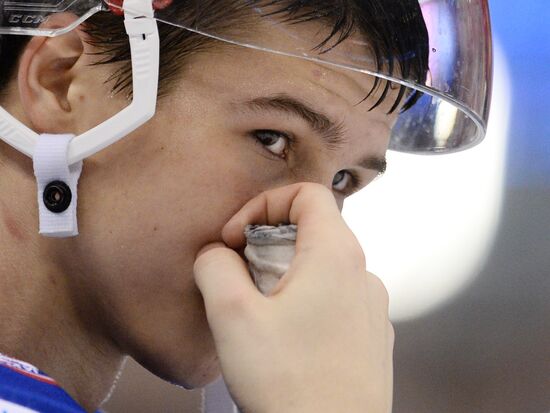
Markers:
point(279, 143)
point(346, 182)
point(275, 142)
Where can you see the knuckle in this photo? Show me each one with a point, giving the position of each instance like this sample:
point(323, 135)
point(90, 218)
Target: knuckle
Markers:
point(347, 257)
point(208, 255)
point(353, 248)
point(357, 256)
point(201, 261)
point(201, 264)
point(348, 250)
point(391, 333)
point(379, 289)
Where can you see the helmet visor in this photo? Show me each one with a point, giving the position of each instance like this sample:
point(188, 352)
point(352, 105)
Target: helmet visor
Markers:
point(433, 56)
point(30, 17)
point(438, 50)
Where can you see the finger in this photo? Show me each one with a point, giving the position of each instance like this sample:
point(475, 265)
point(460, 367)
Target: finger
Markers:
point(312, 207)
point(224, 282)
point(378, 293)
point(268, 208)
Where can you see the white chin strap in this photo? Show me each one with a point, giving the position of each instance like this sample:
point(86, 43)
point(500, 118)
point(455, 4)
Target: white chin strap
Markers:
point(58, 158)
point(57, 186)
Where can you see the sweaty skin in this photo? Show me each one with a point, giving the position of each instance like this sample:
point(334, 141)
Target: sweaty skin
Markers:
point(151, 202)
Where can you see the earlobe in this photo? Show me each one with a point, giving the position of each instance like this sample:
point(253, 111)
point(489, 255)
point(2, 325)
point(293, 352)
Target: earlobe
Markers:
point(46, 74)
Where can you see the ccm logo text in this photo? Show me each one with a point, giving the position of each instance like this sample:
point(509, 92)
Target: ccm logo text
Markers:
point(26, 19)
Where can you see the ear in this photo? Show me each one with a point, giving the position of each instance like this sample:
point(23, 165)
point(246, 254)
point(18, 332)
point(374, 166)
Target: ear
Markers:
point(47, 71)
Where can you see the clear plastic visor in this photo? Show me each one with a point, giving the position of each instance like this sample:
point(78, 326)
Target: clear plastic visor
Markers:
point(432, 57)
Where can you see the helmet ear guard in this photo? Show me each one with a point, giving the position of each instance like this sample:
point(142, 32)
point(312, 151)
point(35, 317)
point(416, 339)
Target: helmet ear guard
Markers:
point(58, 159)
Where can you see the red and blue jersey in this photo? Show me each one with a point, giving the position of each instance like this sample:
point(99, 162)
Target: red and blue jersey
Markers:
point(25, 389)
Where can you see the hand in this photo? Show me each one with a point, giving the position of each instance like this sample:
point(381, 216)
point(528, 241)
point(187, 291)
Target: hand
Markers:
point(322, 341)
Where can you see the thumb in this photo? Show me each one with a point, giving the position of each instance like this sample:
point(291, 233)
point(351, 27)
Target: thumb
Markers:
point(224, 281)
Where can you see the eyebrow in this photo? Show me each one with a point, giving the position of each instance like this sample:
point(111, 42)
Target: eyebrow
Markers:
point(331, 133)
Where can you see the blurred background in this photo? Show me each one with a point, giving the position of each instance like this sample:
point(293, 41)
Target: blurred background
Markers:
point(464, 249)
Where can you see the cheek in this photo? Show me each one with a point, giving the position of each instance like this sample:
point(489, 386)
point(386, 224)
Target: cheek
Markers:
point(142, 222)
point(164, 203)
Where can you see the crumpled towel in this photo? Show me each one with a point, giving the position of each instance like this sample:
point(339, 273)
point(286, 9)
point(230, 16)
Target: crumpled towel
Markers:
point(269, 252)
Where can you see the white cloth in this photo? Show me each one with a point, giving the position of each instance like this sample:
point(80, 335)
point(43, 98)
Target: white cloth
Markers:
point(269, 251)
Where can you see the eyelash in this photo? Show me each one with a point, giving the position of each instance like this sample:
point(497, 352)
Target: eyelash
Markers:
point(356, 181)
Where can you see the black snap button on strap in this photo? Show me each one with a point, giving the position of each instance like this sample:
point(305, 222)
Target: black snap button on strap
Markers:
point(57, 196)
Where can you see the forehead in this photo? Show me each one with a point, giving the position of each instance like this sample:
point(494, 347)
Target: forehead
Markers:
point(239, 72)
point(232, 77)
point(338, 66)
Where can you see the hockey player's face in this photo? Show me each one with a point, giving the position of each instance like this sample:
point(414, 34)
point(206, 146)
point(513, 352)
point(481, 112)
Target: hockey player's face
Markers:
point(239, 122)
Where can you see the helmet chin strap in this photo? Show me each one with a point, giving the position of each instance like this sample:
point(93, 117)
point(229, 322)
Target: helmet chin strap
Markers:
point(58, 159)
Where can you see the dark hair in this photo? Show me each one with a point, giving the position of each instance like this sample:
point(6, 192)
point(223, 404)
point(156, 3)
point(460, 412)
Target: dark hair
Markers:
point(394, 29)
